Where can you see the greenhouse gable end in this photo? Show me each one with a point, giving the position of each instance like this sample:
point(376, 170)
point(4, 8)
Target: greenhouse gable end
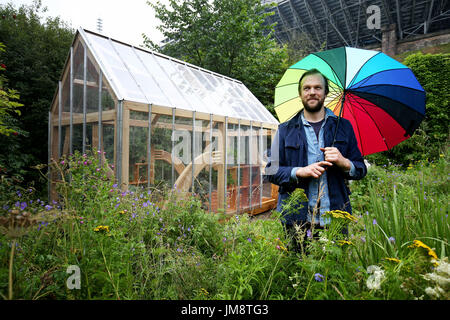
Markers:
point(161, 121)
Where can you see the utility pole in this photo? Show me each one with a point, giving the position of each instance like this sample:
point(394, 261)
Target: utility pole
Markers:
point(99, 25)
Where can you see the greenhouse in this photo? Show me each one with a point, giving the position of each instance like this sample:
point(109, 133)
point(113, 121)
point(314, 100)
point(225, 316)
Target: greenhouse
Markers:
point(161, 122)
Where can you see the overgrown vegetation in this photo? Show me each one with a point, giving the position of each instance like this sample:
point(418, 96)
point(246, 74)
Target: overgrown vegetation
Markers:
point(148, 244)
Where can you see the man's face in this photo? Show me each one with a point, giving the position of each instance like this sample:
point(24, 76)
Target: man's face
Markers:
point(312, 92)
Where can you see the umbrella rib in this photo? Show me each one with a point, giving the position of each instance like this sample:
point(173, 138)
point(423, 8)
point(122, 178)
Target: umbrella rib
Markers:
point(373, 74)
point(374, 122)
point(356, 74)
point(334, 71)
point(387, 85)
point(357, 125)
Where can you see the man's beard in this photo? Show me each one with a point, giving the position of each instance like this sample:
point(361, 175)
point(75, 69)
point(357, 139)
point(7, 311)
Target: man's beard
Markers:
point(315, 108)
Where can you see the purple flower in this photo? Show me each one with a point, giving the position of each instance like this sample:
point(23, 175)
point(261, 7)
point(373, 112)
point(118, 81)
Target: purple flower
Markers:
point(374, 222)
point(309, 233)
point(48, 207)
point(249, 239)
point(23, 205)
point(392, 239)
point(318, 277)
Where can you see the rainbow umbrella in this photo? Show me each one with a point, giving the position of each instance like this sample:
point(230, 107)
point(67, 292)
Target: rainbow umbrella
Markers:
point(379, 96)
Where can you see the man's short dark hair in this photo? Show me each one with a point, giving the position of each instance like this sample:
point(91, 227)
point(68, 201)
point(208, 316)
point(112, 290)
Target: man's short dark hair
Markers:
point(311, 72)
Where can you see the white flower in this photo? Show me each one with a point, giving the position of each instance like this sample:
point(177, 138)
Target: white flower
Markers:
point(441, 279)
point(374, 281)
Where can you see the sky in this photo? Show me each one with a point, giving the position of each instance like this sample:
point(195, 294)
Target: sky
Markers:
point(123, 20)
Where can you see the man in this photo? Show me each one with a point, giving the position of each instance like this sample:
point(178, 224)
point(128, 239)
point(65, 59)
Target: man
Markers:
point(302, 156)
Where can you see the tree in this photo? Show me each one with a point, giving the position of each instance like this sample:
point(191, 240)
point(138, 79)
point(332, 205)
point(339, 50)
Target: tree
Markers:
point(229, 37)
point(36, 51)
point(8, 105)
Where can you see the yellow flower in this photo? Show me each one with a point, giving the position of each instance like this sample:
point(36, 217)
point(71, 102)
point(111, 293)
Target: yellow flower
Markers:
point(342, 242)
point(101, 228)
point(393, 260)
point(431, 253)
point(339, 214)
point(123, 211)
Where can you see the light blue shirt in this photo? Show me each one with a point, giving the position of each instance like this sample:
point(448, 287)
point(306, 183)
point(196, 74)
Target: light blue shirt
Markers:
point(315, 155)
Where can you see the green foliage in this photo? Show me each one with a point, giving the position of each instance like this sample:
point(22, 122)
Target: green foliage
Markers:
point(36, 52)
point(155, 244)
point(226, 36)
point(7, 103)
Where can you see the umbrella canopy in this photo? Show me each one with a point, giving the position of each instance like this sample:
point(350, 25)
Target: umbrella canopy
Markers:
point(379, 96)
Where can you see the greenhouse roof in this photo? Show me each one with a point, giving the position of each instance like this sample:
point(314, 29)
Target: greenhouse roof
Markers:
point(144, 76)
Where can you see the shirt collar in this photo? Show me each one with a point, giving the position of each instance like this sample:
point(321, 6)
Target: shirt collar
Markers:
point(328, 113)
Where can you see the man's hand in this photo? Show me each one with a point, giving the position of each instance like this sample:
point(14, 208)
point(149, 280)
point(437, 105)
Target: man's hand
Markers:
point(333, 155)
point(314, 170)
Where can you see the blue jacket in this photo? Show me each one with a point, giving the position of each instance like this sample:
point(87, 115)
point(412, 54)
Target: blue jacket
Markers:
point(290, 144)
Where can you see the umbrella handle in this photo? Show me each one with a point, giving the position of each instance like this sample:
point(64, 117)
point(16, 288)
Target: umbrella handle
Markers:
point(339, 118)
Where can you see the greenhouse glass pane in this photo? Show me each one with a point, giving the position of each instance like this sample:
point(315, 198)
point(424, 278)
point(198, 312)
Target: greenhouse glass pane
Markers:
point(65, 140)
point(250, 107)
point(232, 168)
point(107, 99)
point(172, 94)
point(92, 87)
point(176, 75)
point(212, 164)
point(138, 148)
point(244, 167)
point(161, 145)
point(108, 142)
point(198, 88)
point(266, 116)
point(267, 143)
point(160, 85)
point(255, 166)
point(145, 81)
point(201, 164)
point(182, 153)
point(115, 68)
point(221, 107)
point(230, 103)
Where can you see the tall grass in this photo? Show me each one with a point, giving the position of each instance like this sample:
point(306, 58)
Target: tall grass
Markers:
point(154, 244)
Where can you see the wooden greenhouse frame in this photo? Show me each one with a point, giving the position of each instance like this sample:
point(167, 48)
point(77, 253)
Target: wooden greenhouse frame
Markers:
point(134, 106)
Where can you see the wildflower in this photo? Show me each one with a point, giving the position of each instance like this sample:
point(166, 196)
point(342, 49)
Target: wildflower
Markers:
point(374, 222)
point(391, 240)
point(431, 253)
point(23, 205)
point(441, 279)
point(249, 239)
point(309, 233)
point(393, 260)
point(48, 207)
point(377, 276)
point(123, 211)
point(343, 242)
point(339, 214)
point(318, 277)
point(101, 228)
